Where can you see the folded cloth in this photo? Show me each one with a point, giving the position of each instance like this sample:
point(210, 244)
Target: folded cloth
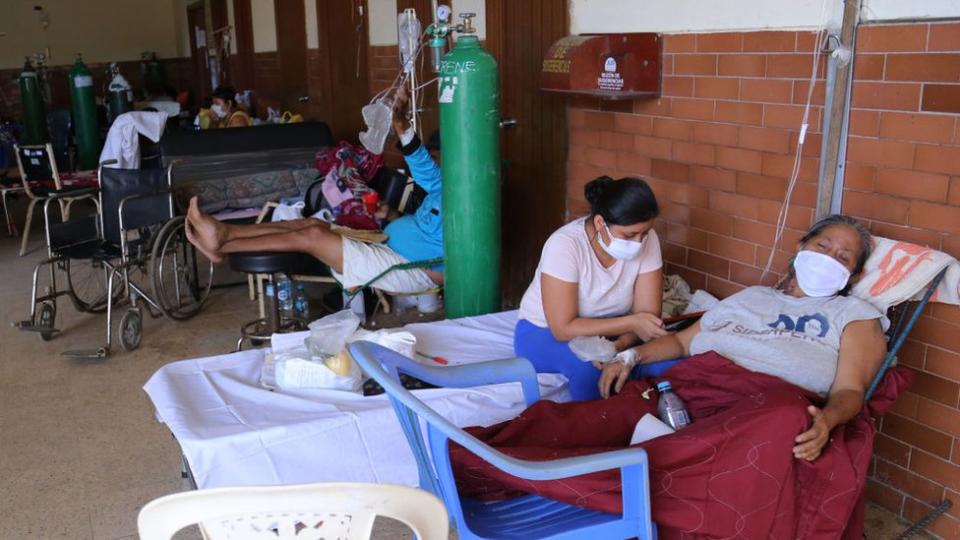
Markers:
point(900, 271)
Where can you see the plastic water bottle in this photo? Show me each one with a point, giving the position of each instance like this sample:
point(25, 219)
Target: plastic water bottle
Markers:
point(671, 408)
point(285, 295)
point(301, 304)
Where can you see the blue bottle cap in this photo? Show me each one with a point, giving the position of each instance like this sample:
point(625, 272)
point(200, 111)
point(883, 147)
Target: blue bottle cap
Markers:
point(663, 386)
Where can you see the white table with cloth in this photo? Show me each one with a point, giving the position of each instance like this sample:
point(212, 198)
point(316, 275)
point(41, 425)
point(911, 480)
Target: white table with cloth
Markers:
point(234, 432)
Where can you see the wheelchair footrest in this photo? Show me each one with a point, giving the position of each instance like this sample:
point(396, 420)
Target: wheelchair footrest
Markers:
point(92, 353)
point(28, 326)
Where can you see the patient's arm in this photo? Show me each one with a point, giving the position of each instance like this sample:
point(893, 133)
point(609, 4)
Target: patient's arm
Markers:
point(615, 374)
point(861, 353)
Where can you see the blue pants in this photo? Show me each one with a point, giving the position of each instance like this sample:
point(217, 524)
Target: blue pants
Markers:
point(551, 356)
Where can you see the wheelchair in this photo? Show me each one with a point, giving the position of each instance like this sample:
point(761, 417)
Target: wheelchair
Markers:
point(132, 252)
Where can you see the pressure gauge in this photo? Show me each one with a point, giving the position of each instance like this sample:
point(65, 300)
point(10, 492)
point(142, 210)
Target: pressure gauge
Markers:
point(443, 12)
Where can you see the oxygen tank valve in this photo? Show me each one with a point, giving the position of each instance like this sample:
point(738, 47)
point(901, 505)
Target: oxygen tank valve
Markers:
point(466, 27)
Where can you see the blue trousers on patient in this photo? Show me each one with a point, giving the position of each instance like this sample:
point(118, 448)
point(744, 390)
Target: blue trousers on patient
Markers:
point(551, 356)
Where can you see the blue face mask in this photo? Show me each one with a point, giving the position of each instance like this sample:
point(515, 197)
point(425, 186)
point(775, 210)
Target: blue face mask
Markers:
point(618, 248)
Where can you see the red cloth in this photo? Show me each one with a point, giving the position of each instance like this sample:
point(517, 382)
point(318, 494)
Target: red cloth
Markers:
point(78, 179)
point(730, 474)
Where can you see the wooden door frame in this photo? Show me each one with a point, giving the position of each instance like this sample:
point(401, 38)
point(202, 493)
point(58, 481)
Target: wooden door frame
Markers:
point(242, 73)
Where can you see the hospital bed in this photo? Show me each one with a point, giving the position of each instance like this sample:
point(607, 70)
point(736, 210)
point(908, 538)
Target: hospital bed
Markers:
point(234, 432)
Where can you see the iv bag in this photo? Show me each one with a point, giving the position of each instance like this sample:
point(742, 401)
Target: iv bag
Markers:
point(378, 117)
point(408, 33)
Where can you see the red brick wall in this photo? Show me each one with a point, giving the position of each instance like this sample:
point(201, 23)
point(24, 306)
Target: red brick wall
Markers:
point(904, 177)
point(718, 148)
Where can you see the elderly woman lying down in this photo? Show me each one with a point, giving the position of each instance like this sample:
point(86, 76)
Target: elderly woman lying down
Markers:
point(775, 383)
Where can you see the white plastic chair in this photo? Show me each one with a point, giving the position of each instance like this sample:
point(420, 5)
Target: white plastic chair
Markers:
point(301, 512)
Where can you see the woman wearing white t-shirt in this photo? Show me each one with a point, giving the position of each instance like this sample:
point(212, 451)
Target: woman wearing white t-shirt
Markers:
point(599, 275)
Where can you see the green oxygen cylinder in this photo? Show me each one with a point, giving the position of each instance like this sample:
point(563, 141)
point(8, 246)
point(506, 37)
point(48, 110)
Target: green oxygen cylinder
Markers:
point(470, 165)
point(83, 104)
point(34, 108)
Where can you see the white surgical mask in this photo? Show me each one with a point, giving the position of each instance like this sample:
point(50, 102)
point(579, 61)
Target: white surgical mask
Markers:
point(819, 275)
point(618, 248)
point(218, 110)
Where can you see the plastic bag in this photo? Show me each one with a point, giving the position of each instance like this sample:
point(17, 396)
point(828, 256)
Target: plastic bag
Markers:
point(399, 341)
point(378, 118)
point(288, 212)
point(593, 348)
point(329, 335)
point(295, 368)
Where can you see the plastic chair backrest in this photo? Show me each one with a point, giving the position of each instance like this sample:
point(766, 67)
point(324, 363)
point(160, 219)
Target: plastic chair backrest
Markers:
point(310, 511)
point(118, 184)
point(36, 163)
point(376, 360)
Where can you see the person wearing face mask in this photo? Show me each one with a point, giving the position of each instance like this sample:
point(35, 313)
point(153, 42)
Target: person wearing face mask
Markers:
point(771, 374)
point(599, 275)
point(224, 109)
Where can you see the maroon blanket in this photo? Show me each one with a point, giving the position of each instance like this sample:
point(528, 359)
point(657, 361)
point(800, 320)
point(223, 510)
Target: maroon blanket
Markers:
point(730, 474)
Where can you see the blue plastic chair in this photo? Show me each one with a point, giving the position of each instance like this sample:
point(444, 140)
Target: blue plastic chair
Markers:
point(526, 517)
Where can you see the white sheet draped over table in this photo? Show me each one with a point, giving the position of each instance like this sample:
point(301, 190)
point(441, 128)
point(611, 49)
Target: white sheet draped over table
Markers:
point(234, 432)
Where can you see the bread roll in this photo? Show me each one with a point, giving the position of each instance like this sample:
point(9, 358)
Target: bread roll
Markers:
point(339, 364)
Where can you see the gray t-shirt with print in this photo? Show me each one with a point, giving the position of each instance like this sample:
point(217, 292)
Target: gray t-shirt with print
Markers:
point(795, 339)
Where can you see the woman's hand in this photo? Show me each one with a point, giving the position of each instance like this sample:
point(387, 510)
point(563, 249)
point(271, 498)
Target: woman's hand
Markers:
point(648, 326)
point(811, 442)
point(615, 374)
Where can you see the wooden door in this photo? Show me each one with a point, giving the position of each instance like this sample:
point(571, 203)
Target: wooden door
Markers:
point(534, 150)
point(292, 53)
point(241, 66)
point(198, 54)
point(198, 46)
point(343, 27)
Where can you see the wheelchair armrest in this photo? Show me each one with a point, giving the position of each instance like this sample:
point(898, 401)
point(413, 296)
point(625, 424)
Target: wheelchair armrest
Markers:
point(72, 193)
point(126, 200)
point(506, 370)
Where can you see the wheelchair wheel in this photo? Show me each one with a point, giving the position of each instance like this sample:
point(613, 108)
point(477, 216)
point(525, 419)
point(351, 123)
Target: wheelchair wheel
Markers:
point(131, 330)
point(180, 275)
point(46, 319)
point(87, 281)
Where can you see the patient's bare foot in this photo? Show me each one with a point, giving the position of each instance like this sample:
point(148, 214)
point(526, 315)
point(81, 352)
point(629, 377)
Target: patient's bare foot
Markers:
point(204, 232)
point(192, 237)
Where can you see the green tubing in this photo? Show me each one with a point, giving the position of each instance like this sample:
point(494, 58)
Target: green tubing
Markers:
point(84, 107)
point(470, 163)
point(34, 109)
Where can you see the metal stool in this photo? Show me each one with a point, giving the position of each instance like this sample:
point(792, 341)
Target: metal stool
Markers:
point(269, 265)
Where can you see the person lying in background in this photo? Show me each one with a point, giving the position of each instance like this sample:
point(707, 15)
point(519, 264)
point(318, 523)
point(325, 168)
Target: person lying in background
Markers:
point(771, 374)
point(599, 275)
point(417, 237)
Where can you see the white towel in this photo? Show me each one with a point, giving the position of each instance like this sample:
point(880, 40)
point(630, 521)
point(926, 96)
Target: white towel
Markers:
point(900, 271)
point(122, 143)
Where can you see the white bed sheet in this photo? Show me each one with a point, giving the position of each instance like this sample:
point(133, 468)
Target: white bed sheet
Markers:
point(234, 432)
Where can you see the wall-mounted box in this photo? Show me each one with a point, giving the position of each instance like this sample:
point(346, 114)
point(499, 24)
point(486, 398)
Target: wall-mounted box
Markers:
point(610, 66)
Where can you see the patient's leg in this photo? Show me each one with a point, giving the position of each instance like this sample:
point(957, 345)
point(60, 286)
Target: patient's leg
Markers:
point(209, 235)
point(316, 240)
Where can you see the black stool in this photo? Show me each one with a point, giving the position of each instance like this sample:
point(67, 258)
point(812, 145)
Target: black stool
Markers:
point(270, 264)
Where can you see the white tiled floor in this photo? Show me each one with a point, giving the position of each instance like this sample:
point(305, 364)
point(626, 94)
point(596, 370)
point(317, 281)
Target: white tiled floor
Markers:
point(80, 451)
